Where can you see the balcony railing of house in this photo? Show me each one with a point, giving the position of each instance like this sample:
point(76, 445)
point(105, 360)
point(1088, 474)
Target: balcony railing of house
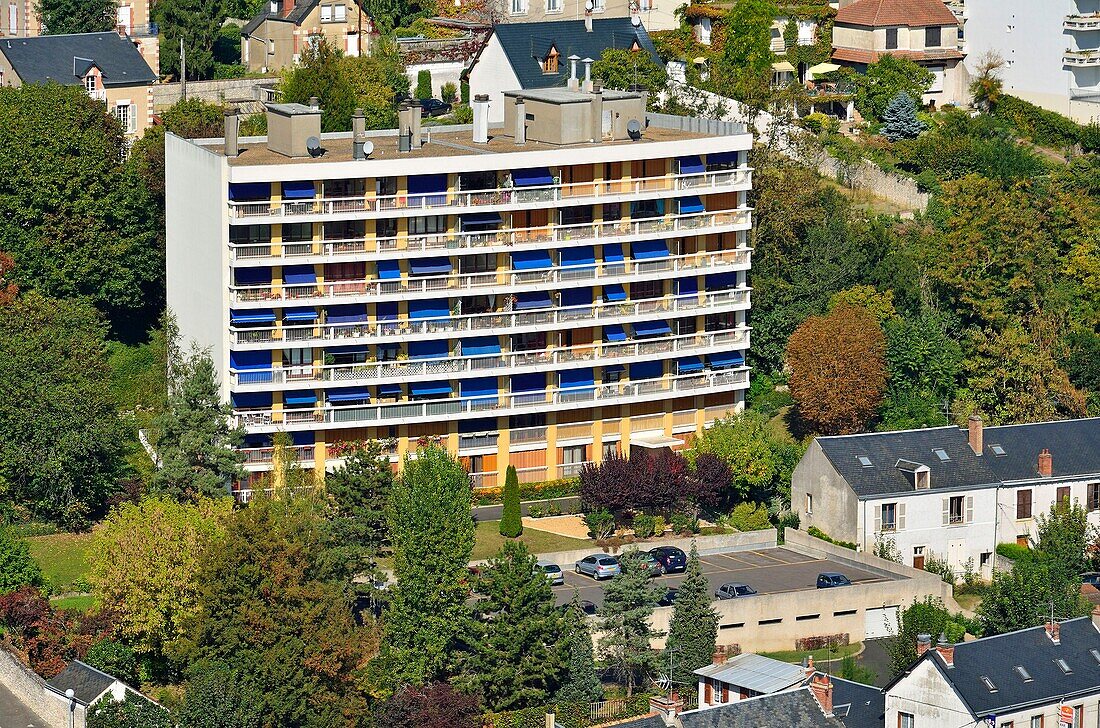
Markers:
point(98, 94)
point(505, 239)
point(571, 470)
point(384, 414)
point(481, 365)
point(603, 312)
point(1082, 59)
point(1082, 22)
point(146, 30)
point(470, 442)
point(599, 271)
point(705, 182)
point(263, 455)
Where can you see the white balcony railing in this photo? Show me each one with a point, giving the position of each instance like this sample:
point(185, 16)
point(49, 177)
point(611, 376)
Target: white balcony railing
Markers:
point(1082, 22)
point(1082, 59)
point(501, 403)
point(600, 272)
point(506, 322)
point(262, 455)
point(488, 364)
point(704, 183)
point(505, 239)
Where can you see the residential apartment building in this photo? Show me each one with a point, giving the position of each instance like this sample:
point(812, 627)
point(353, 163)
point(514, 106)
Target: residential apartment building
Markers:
point(107, 65)
point(1051, 50)
point(571, 283)
point(276, 37)
point(947, 492)
point(654, 14)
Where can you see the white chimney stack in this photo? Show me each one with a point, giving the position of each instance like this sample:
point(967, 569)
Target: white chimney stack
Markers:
point(588, 8)
point(232, 144)
point(574, 82)
point(521, 121)
point(481, 118)
point(587, 74)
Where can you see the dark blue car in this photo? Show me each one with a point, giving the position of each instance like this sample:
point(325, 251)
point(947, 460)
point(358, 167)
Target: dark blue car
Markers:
point(670, 558)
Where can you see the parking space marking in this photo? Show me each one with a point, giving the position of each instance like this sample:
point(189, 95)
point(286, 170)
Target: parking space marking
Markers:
point(770, 557)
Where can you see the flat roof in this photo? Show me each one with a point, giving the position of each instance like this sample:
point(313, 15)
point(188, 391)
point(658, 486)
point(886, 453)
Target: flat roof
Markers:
point(558, 95)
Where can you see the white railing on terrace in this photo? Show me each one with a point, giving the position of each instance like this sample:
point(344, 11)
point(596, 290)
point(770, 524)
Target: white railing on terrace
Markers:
point(506, 238)
point(484, 364)
point(262, 455)
point(1082, 59)
point(376, 414)
point(489, 322)
point(1082, 22)
point(702, 183)
point(600, 271)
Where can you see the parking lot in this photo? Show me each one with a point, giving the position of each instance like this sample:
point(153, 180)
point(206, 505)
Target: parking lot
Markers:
point(768, 571)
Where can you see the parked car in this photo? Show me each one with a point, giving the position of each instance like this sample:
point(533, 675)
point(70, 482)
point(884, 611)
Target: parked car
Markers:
point(829, 579)
point(734, 590)
point(669, 599)
point(643, 560)
point(1091, 577)
point(670, 557)
point(434, 107)
point(598, 566)
point(553, 573)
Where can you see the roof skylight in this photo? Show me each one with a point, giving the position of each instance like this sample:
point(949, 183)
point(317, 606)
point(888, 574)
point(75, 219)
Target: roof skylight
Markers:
point(864, 461)
point(942, 454)
point(997, 450)
point(1063, 666)
point(1023, 673)
point(988, 684)
point(1095, 655)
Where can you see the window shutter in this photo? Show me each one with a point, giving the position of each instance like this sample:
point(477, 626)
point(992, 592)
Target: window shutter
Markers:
point(901, 517)
point(946, 511)
point(969, 508)
point(878, 518)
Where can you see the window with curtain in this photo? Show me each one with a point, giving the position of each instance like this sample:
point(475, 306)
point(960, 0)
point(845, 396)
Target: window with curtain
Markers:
point(428, 225)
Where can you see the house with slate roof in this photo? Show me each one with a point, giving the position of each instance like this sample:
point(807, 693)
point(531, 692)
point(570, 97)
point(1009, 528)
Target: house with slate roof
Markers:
point(947, 491)
point(275, 38)
point(523, 56)
point(109, 66)
point(801, 707)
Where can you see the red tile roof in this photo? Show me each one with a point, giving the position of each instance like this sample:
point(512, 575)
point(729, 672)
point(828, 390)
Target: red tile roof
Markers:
point(880, 13)
point(858, 55)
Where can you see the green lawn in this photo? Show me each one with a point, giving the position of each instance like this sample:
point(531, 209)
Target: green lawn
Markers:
point(61, 557)
point(820, 656)
point(487, 541)
point(81, 603)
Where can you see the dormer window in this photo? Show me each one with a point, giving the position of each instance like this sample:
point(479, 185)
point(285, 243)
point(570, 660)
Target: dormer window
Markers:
point(550, 63)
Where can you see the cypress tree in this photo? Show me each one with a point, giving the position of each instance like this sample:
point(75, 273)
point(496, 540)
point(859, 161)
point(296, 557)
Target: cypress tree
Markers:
point(900, 121)
point(580, 683)
point(693, 631)
point(424, 84)
point(511, 520)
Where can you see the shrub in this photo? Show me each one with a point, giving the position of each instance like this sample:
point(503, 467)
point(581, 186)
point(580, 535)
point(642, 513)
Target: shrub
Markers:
point(448, 93)
point(462, 114)
point(818, 123)
point(818, 533)
point(424, 84)
point(934, 565)
point(511, 521)
point(17, 568)
point(1041, 126)
point(749, 516)
point(552, 509)
point(683, 523)
point(820, 642)
point(601, 524)
point(1015, 551)
point(114, 658)
point(659, 525)
point(643, 525)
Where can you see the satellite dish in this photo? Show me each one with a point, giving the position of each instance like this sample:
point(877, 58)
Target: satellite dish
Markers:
point(634, 129)
point(313, 146)
point(368, 147)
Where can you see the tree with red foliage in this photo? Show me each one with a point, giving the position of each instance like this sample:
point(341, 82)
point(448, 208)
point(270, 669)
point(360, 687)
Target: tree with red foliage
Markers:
point(662, 479)
point(41, 633)
point(713, 477)
point(612, 484)
point(8, 290)
point(437, 705)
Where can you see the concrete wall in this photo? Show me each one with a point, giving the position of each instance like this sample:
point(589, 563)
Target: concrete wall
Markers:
point(218, 91)
point(492, 74)
point(866, 175)
point(31, 690)
point(442, 72)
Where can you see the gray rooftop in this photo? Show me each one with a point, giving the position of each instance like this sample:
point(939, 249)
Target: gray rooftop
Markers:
point(85, 681)
point(1072, 445)
point(64, 59)
point(791, 709)
point(292, 109)
point(558, 95)
point(858, 705)
point(755, 672)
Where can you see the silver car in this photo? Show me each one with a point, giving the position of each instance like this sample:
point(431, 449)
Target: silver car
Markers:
point(553, 572)
point(598, 566)
point(734, 590)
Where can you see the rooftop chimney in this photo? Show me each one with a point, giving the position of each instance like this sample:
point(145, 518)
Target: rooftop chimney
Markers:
point(589, 6)
point(1046, 463)
point(314, 103)
point(822, 688)
point(719, 656)
point(404, 128)
point(974, 425)
point(810, 669)
point(597, 113)
point(924, 643)
point(587, 74)
point(232, 125)
point(481, 118)
point(417, 111)
point(667, 708)
point(947, 652)
point(521, 121)
point(1054, 632)
point(358, 134)
point(574, 84)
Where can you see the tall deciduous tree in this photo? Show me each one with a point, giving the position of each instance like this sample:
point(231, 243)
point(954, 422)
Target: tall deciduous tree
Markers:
point(144, 558)
point(580, 683)
point(693, 631)
point(218, 696)
point(626, 69)
point(358, 492)
point(885, 79)
point(196, 23)
point(196, 442)
point(759, 458)
point(743, 69)
point(17, 567)
point(838, 370)
point(923, 358)
point(1065, 536)
point(77, 16)
point(432, 534)
point(1023, 597)
point(60, 437)
point(514, 660)
point(134, 711)
point(625, 632)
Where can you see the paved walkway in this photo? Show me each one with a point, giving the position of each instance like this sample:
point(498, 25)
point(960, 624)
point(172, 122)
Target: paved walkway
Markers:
point(493, 513)
point(13, 714)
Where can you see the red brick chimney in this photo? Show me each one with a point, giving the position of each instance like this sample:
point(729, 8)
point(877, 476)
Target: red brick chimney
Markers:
point(822, 688)
point(974, 434)
point(1046, 463)
point(1054, 631)
point(288, 5)
point(719, 656)
point(810, 669)
point(947, 651)
point(924, 643)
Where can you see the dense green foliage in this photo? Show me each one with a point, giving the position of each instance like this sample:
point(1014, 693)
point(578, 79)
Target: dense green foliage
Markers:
point(760, 458)
point(885, 79)
point(511, 520)
point(423, 84)
point(899, 120)
point(197, 24)
point(133, 712)
point(579, 681)
point(114, 658)
point(217, 695)
point(358, 492)
point(625, 632)
point(60, 17)
point(742, 69)
point(693, 631)
point(928, 616)
point(625, 69)
point(17, 567)
point(1045, 127)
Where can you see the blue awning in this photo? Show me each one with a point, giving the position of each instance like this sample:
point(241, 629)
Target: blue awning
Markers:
point(389, 390)
point(691, 164)
point(575, 378)
point(651, 328)
point(480, 346)
point(298, 274)
point(298, 190)
point(584, 255)
point(419, 185)
point(304, 437)
point(244, 191)
point(576, 297)
point(483, 424)
point(722, 158)
point(429, 389)
point(350, 394)
point(532, 177)
point(386, 311)
point(614, 332)
point(647, 370)
point(254, 316)
point(528, 382)
point(249, 360)
point(479, 221)
point(250, 400)
point(726, 359)
point(687, 286)
point(389, 270)
point(532, 299)
point(300, 398)
point(613, 253)
point(253, 276)
point(689, 364)
point(299, 314)
point(435, 349)
point(644, 249)
point(429, 266)
point(480, 387)
point(352, 313)
point(531, 259)
point(433, 308)
point(691, 204)
point(614, 292)
point(721, 281)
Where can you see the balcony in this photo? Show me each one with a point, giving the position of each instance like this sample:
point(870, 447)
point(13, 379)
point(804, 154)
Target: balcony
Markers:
point(1081, 59)
point(498, 198)
point(500, 323)
point(501, 404)
point(263, 455)
point(492, 364)
point(97, 94)
point(496, 241)
point(502, 281)
point(1082, 22)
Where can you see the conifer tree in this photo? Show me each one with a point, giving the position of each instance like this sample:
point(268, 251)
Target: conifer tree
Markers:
point(580, 683)
point(900, 121)
point(628, 602)
point(511, 520)
point(693, 631)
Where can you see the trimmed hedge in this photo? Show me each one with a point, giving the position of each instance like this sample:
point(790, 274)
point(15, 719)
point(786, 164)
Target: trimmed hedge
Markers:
point(818, 533)
point(544, 490)
point(1015, 552)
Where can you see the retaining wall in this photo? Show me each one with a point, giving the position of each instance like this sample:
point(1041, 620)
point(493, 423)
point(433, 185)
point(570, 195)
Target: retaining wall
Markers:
point(216, 91)
point(36, 694)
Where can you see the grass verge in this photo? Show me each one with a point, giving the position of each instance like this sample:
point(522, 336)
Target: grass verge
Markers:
point(62, 558)
point(487, 541)
point(823, 655)
point(78, 603)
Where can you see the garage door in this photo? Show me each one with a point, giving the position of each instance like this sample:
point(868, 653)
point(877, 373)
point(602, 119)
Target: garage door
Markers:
point(880, 622)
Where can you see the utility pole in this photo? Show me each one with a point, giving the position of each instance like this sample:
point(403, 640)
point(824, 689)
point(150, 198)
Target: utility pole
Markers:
point(183, 71)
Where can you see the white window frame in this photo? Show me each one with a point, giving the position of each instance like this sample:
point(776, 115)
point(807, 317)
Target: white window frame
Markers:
point(326, 13)
point(127, 114)
point(571, 453)
point(91, 83)
point(809, 504)
point(553, 6)
point(13, 18)
point(518, 7)
point(598, 6)
point(339, 13)
point(906, 720)
point(892, 525)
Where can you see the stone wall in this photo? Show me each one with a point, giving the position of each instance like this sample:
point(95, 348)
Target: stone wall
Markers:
point(31, 690)
point(867, 175)
point(244, 92)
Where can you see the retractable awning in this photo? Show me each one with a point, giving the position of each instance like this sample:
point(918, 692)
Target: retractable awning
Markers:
point(576, 297)
point(351, 394)
point(429, 349)
point(532, 177)
point(429, 266)
point(298, 275)
point(689, 364)
point(722, 158)
point(614, 332)
point(584, 255)
point(245, 191)
point(304, 437)
point(691, 204)
point(613, 253)
point(389, 390)
point(300, 398)
point(298, 190)
point(429, 389)
point(260, 276)
point(532, 299)
point(252, 316)
point(726, 359)
point(433, 308)
point(531, 260)
point(614, 292)
point(651, 328)
point(576, 378)
point(687, 286)
point(299, 315)
point(480, 387)
point(249, 360)
point(250, 400)
point(645, 249)
point(421, 187)
point(721, 281)
point(479, 221)
point(528, 382)
point(480, 346)
point(647, 370)
point(386, 311)
point(351, 313)
point(389, 270)
point(690, 164)
point(783, 67)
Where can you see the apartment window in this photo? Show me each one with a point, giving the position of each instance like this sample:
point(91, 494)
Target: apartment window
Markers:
point(647, 289)
point(579, 215)
point(1023, 504)
point(297, 232)
point(1006, 724)
point(573, 455)
point(955, 510)
point(326, 13)
point(529, 341)
point(483, 263)
point(684, 326)
point(1062, 498)
point(553, 6)
point(1036, 721)
point(249, 234)
point(427, 225)
point(809, 504)
point(918, 557)
point(598, 6)
point(889, 512)
point(125, 115)
point(385, 186)
point(519, 7)
point(297, 357)
point(13, 18)
point(891, 39)
point(339, 13)
point(1078, 716)
point(385, 228)
point(345, 187)
point(612, 211)
point(90, 83)
point(932, 37)
point(906, 720)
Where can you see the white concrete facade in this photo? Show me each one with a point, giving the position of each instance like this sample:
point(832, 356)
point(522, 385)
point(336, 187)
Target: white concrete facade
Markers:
point(492, 74)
